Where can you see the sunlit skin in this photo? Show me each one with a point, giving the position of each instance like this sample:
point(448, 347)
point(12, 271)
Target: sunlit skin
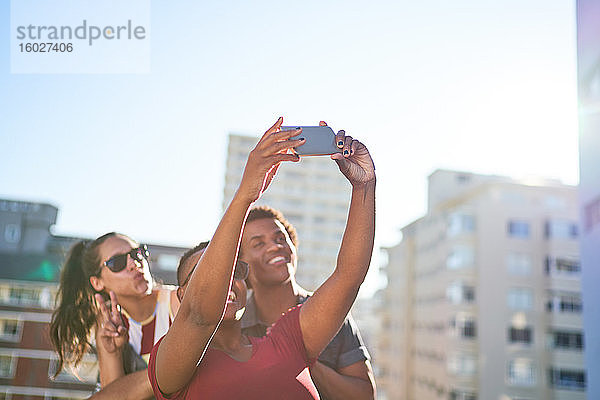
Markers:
point(133, 281)
point(269, 251)
point(267, 247)
point(133, 289)
point(198, 323)
point(236, 300)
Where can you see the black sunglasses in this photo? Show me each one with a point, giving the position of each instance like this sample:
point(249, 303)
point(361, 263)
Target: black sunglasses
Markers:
point(240, 272)
point(119, 262)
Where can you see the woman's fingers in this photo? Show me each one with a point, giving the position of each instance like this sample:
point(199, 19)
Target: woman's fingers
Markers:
point(278, 137)
point(273, 128)
point(347, 146)
point(102, 305)
point(288, 144)
point(339, 138)
point(108, 327)
point(277, 158)
point(114, 304)
point(354, 146)
point(116, 313)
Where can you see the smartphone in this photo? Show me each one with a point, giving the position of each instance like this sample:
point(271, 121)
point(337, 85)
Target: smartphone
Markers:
point(320, 140)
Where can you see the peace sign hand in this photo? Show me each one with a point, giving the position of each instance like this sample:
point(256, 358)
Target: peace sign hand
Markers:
point(111, 333)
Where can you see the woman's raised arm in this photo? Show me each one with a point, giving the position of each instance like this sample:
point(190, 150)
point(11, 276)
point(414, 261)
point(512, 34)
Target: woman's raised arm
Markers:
point(203, 304)
point(323, 313)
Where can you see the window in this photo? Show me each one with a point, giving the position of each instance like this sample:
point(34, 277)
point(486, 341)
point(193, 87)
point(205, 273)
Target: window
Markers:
point(10, 330)
point(520, 298)
point(561, 230)
point(460, 223)
point(565, 303)
point(12, 233)
point(518, 229)
point(462, 364)
point(459, 292)
point(565, 266)
point(460, 257)
point(519, 335)
point(554, 202)
point(462, 178)
point(567, 340)
point(567, 379)
point(457, 394)
point(24, 296)
point(468, 294)
point(41, 297)
point(464, 326)
point(469, 329)
point(519, 264)
point(521, 372)
point(7, 366)
point(168, 262)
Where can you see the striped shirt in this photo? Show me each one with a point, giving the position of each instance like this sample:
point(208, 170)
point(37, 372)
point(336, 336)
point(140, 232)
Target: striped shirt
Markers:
point(143, 335)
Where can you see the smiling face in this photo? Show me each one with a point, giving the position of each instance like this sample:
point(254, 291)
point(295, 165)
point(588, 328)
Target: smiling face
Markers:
point(268, 249)
point(236, 298)
point(134, 280)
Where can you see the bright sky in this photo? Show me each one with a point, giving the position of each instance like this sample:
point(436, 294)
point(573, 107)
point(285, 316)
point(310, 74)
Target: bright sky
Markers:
point(481, 86)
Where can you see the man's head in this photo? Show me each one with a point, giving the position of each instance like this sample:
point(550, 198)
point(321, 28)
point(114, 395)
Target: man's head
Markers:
point(269, 247)
point(236, 299)
point(188, 260)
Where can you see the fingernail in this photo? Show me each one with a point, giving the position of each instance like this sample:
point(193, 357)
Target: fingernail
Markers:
point(345, 152)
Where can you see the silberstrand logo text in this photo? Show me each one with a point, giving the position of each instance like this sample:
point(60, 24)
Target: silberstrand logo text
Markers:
point(84, 31)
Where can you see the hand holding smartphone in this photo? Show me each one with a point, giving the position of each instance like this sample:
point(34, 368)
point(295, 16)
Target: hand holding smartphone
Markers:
point(320, 140)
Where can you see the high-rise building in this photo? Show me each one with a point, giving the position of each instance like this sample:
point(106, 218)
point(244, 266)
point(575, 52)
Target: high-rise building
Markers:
point(484, 294)
point(312, 194)
point(30, 262)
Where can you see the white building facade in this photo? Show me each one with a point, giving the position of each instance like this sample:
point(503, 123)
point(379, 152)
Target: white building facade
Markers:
point(484, 294)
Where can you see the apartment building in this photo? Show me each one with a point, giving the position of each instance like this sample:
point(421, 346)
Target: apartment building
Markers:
point(30, 262)
point(313, 196)
point(484, 294)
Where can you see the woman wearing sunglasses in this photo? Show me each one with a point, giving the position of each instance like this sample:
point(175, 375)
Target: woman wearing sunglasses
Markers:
point(115, 266)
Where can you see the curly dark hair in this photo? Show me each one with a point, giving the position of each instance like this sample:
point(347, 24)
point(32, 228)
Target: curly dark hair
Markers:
point(261, 212)
point(185, 257)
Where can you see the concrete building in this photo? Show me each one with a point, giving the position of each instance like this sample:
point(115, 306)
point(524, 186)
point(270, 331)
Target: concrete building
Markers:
point(312, 194)
point(484, 294)
point(30, 262)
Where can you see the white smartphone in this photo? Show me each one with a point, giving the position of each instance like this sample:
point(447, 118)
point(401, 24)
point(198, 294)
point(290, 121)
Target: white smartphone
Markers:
point(320, 140)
